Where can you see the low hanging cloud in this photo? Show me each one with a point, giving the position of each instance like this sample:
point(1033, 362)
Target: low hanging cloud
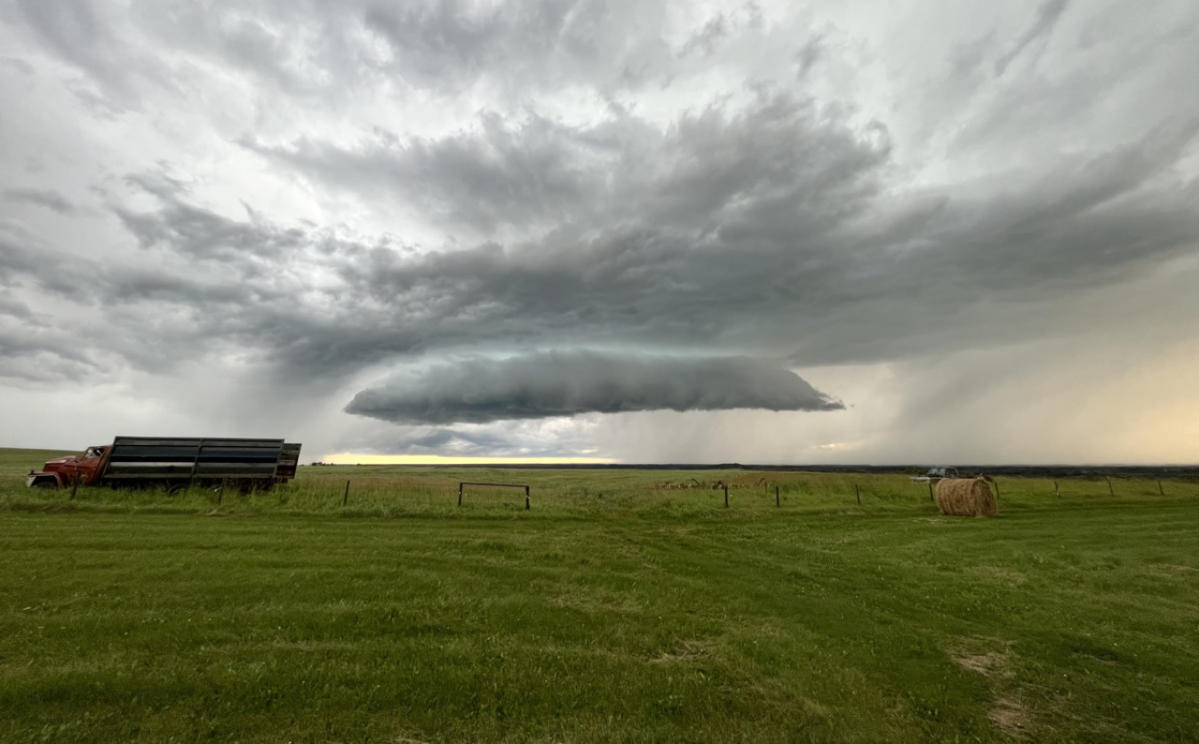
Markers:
point(546, 384)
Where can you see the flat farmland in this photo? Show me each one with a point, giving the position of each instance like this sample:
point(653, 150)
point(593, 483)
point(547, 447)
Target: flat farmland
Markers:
point(625, 605)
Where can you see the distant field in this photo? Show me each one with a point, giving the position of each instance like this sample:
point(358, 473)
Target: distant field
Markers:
point(621, 607)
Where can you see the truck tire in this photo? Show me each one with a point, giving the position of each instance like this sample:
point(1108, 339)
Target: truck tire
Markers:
point(45, 483)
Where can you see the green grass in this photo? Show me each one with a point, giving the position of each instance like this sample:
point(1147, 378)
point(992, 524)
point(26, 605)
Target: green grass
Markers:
point(614, 610)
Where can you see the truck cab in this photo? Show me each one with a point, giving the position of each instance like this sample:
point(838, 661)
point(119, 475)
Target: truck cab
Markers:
point(65, 471)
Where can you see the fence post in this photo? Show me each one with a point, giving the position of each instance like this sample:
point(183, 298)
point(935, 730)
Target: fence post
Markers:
point(1056, 491)
point(1159, 488)
point(74, 485)
point(345, 499)
point(776, 497)
point(1110, 492)
point(526, 498)
point(459, 494)
point(726, 495)
point(995, 482)
point(858, 493)
point(930, 490)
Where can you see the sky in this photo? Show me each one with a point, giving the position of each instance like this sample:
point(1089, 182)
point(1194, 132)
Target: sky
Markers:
point(827, 232)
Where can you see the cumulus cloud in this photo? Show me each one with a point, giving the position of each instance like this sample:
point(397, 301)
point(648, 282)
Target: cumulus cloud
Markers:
point(568, 383)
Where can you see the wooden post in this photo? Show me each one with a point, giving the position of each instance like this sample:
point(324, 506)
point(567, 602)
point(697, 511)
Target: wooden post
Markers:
point(726, 496)
point(930, 490)
point(220, 496)
point(526, 498)
point(777, 502)
point(858, 493)
point(1109, 488)
point(345, 499)
point(459, 494)
point(1056, 491)
point(1159, 488)
point(996, 483)
point(74, 485)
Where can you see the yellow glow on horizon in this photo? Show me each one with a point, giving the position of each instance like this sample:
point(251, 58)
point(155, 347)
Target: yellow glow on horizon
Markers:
point(349, 458)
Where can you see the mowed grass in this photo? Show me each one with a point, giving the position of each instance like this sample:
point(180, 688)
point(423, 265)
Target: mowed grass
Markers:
point(616, 609)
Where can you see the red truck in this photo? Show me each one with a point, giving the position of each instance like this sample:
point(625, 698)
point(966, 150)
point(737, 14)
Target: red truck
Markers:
point(173, 463)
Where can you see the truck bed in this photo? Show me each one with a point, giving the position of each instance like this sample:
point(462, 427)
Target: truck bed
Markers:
point(162, 458)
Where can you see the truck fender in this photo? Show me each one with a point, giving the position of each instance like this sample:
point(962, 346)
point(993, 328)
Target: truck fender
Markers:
point(42, 480)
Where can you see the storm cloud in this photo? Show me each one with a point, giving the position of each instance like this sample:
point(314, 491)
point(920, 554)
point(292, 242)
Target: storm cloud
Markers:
point(565, 384)
point(295, 200)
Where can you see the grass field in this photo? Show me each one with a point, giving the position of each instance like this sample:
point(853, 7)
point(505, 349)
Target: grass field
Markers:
point(616, 609)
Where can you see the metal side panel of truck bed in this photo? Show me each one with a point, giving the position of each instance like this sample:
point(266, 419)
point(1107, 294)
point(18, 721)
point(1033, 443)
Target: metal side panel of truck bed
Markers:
point(158, 458)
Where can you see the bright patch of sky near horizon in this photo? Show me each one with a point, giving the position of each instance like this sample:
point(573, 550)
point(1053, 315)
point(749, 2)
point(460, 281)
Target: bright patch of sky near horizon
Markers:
point(629, 231)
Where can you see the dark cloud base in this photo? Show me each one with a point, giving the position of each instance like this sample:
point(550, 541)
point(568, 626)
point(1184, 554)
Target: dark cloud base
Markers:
point(478, 390)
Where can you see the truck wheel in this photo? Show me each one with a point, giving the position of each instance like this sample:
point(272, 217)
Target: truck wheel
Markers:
point(45, 483)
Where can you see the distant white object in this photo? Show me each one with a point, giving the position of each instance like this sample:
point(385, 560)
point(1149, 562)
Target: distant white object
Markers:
point(936, 474)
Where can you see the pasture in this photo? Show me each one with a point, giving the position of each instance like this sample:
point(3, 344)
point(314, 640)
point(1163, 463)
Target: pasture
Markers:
point(623, 606)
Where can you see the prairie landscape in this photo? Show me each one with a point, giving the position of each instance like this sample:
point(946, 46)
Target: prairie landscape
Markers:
point(836, 239)
point(624, 605)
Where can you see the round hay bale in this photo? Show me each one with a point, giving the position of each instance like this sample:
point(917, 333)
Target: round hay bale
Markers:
point(966, 497)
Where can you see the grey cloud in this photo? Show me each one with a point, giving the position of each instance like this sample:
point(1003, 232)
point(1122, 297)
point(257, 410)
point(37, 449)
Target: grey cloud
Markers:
point(808, 55)
point(48, 198)
point(14, 308)
point(1047, 17)
point(457, 442)
point(521, 438)
point(71, 30)
point(635, 180)
point(567, 383)
point(780, 159)
point(93, 39)
point(23, 256)
point(782, 271)
point(202, 234)
point(316, 51)
point(450, 45)
point(706, 39)
point(37, 354)
point(758, 233)
point(17, 64)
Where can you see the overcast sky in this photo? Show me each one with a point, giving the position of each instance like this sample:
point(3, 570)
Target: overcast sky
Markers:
point(907, 232)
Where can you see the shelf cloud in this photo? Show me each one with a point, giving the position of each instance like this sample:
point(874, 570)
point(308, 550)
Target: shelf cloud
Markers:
point(479, 390)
